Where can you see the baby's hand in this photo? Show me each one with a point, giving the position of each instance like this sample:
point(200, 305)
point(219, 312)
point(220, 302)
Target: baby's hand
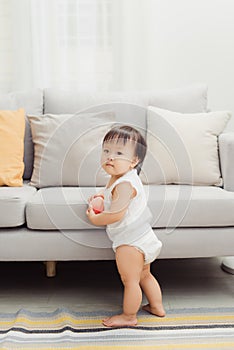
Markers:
point(97, 203)
point(90, 214)
point(94, 218)
point(95, 196)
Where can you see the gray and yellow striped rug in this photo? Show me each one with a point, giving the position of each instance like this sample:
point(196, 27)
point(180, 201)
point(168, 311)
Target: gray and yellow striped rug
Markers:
point(70, 329)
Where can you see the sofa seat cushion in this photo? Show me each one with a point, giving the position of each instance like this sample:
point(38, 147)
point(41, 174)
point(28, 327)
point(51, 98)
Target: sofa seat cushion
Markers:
point(190, 206)
point(12, 204)
point(59, 208)
point(64, 208)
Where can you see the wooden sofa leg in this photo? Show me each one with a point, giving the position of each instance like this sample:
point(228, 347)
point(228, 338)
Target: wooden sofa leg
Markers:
point(51, 268)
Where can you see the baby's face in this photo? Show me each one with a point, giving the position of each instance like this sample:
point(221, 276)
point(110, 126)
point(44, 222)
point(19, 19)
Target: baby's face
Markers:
point(118, 158)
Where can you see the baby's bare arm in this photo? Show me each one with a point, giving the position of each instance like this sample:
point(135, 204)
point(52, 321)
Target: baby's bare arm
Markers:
point(121, 197)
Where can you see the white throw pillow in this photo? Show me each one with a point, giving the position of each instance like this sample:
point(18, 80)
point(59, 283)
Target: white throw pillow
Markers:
point(183, 147)
point(67, 148)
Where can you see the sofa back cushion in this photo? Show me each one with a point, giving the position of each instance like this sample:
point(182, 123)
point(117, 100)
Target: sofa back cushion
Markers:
point(32, 102)
point(129, 107)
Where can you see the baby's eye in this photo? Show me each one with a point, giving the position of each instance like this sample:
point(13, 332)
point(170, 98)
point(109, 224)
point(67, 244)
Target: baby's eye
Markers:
point(105, 150)
point(119, 153)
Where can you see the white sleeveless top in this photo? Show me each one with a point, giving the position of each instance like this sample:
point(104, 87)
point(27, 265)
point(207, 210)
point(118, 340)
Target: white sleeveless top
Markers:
point(136, 221)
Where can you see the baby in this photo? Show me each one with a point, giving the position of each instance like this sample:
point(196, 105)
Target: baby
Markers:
point(127, 219)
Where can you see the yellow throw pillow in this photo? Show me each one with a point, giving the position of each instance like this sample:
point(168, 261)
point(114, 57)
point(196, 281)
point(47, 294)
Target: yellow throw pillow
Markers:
point(12, 128)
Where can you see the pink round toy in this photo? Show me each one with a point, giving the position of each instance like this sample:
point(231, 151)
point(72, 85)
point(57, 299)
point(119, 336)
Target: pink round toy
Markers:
point(97, 204)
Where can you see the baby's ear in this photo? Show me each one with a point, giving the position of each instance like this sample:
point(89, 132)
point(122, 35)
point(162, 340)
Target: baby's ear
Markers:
point(135, 161)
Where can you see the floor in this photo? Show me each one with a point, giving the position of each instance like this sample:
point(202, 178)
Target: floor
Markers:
point(90, 286)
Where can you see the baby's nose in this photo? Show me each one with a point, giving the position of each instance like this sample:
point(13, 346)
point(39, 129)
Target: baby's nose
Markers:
point(111, 157)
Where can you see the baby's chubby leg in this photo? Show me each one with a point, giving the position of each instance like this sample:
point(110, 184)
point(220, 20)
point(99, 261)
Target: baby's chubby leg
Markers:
point(153, 293)
point(130, 263)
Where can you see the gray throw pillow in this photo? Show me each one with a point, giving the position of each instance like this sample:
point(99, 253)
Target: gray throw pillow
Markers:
point(67, 148)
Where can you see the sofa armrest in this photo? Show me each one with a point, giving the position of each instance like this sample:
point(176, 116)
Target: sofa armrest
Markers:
point(226, 153)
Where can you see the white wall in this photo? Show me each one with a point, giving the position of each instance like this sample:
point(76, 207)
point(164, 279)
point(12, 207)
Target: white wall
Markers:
point(188, 41)
point(155, 44)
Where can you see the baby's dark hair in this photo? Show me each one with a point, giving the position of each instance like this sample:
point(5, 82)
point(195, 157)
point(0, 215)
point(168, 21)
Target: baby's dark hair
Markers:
point(124, 133)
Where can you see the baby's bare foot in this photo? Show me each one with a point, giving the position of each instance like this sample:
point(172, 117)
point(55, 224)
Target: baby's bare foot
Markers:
point(157, 311)
point(120, 321)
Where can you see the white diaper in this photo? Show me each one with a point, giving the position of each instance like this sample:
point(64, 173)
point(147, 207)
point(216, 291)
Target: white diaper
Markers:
point(149, 245)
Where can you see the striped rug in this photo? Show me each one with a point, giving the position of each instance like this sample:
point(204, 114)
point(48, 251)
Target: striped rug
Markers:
point(70, 329)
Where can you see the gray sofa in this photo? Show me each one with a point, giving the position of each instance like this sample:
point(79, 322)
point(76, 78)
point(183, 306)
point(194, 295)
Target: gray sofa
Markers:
point(49, 223)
